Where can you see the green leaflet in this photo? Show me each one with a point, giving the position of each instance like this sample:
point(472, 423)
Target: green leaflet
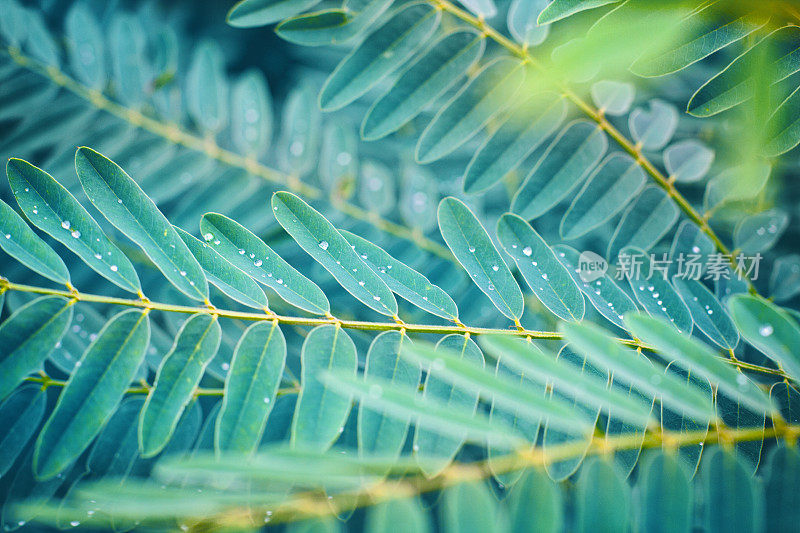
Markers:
point(470, 243)
point(487, 94)
point(536, 504)
point(549, 280)
point(85, 46)
point(688, 161)
point(707, 312)
point(769, 329)
point(244, 250)
point(613, 97)
point(250, 388)
point(379, 433)
point(314, 29)
point(602, 499)
point(603, 292)
point(402, 279)
point(470, 507)
point(251, 114)
point(328, 247)
point(129, 209)
point(666, 491)
point(559, 9)
point(627, 366)
point(648, 282)
point(117, 447)
point(54, 210)
point(207, 88)
point(92, 392)
point(376, 187)
point(521, 21)
point(737, 183)
point(737, 508)
point(759, 232)
point(252, 13)
point(784, 283)
point(758, 65)
point(678, 422)
point(695, 356)
point(20, 242)
point(694, 244)
point(383, 51)
point(527, 125)
point(530, 360)
point(224, 275)
point(610, 187)
point(20, 415)
point(783, 128)
point(425, 80)
point(127, 48)
point(28, 336)
point(735, 414)
point(177, 378)
point(781, 503)
point(321, 413)
point(695, 37)
point(433, 446)
point(529, 403)
point(568, 159)
point(338, 158)
point(405, 514)
point(651, 215)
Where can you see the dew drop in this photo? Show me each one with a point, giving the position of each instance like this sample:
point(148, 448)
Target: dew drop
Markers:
point(258, 262)
point(527, 251)
point(472, 249)
point(323, 245)
point(765, 330)
point(65, 224)
point(114, 268)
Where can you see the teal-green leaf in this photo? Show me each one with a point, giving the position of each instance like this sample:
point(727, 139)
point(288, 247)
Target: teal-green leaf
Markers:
point(613, 97)
point(536, 504)
point(602, 499)
point(405, 514)
point(692, 355)
point(383, 51)
point(521, 21)
point(328, 247)
point(784, 282)
point(470, 507)
point(695, 37)
point(253, 13)
point(85, 46)
point(737, 507)
point(783, 128)
point(695, 246)
point(604, 352)
point(610, 187)
point(92, 393)
point(758, 65)
point(117, 446)
point(54, 210)
point(129, 209)
point(707, 312)
point(759, 232)
point(527, 125)
point(19, 241)
point(468, 376)
point(251, 114)
point(224, 275)
point(656, 295)
point(250, 388)
point(483, 97)
point(20, 416)
point(300, 131)
point(666, 494)
point(403, 280)
point(425, 80)
point(768, 328)
point(28, 336)
point(601, 290)
point(559, 9)
point(547, 277)
point(688, 161)
point(376, 188)
point(244, 250)
point(338, 158)
point(177, 378)
point(433, 448)
point(321, 412)
point(378, 433)
point(207, 88)
point(678, 422)
point(781, 501)
point(649, 217)
point(470, 243)
point(315, 29)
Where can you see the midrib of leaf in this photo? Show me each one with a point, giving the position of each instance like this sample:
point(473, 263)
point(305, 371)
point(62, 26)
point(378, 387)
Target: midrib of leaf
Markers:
point(626, 144)
point(176, 135)
point(312, 322)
